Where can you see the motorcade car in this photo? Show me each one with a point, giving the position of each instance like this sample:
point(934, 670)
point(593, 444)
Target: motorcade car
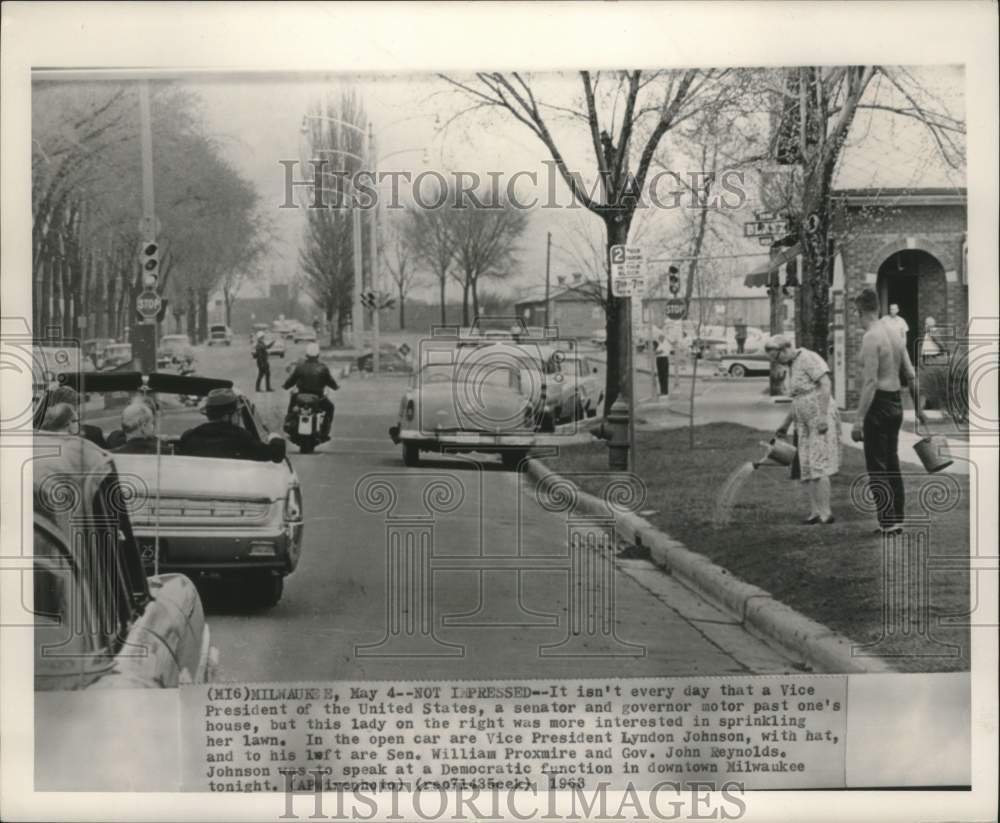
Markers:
point(479, 401)
point(237, 520)
point(744, 365)
point(99, 621)
point(599, 338)
point(258, 327)
point(276, 345)
point(220, 333)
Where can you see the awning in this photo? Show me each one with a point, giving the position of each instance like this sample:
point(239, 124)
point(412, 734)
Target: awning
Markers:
point(768, 273)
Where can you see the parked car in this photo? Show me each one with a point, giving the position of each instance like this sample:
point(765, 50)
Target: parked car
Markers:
point(743, 365)
point(277, 346)
point(238, 520)
point(479, 402)
point(117, 355)
point(99, 621)
point(94, 350)
point(599, 338)
point(390, 360)
point(221, 334)
point(573, 390)
point(304, 334)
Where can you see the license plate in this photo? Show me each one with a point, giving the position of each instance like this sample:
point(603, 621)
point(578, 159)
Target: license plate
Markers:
point(305, 425)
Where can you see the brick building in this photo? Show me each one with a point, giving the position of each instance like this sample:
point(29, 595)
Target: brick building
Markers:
point(908, 245)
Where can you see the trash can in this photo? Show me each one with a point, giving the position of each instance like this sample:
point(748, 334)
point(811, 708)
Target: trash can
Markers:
point(663, 373)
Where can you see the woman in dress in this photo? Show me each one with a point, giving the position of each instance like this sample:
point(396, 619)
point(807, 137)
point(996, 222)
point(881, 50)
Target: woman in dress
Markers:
point(817, 422)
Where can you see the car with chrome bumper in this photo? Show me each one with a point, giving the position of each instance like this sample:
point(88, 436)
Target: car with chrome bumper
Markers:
point(236, 519)
point(477, 402)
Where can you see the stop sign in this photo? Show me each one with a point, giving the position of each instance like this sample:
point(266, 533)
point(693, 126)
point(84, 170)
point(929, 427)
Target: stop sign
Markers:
point(675, 309)
point(148, 304)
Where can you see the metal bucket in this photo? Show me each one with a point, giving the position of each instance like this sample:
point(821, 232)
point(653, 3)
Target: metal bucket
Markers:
point(933, 453)
point(780, 451)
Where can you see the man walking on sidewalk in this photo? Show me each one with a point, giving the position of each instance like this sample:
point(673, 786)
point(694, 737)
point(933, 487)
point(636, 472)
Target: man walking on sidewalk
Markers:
point(884, 364)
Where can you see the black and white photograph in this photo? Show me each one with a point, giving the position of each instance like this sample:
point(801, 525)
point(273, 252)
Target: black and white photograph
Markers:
point(499, 411)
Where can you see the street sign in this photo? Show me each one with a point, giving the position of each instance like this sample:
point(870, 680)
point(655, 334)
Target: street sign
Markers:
point(148, 304)
point(403, 349)
point(675, 309)
point(765, 228)
point(627, 271)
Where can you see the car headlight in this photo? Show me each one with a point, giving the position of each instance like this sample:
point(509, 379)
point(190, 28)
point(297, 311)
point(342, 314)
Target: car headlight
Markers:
point(293, 504)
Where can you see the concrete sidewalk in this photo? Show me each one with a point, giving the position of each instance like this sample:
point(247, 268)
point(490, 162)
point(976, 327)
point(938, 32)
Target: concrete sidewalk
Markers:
point(747, 403)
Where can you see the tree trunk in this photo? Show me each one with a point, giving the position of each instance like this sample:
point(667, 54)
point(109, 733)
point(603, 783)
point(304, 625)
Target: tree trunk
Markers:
point(465, 303)
point(616, 375)
point(202, 315)
point(813, 319)
point(443, 282)
point(402, 310)
point(474, 288)
point(192, 316)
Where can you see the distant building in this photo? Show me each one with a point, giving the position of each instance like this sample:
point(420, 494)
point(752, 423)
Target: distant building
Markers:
point(575, 308)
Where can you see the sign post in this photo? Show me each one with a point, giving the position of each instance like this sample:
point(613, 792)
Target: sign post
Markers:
point(628, 280)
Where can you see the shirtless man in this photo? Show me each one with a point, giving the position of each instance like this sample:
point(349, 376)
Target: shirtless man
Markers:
point(880, 409)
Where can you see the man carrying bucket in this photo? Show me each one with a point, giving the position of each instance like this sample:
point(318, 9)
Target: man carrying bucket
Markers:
point(884, 361)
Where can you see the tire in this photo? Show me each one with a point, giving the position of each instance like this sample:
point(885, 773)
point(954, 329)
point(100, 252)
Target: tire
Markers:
point(737, 370)
point(547, 423)
point(579, 412)
point(511, 458)
point(411, 454)
point(307, 446)
point(262, 590)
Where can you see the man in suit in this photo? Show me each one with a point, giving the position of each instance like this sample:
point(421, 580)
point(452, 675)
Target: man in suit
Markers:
point(139, 427)
point(65, 394)
point(222, 436)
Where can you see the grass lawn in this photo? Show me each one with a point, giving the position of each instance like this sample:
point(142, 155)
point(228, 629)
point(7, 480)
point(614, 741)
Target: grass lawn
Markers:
point(834, 573)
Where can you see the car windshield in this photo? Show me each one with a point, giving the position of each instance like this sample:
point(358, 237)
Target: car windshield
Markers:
point(482, 373)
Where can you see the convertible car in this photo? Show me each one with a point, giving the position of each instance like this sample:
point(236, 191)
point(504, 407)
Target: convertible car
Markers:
point(237, 519)
point(99, 621)
point(473, 398)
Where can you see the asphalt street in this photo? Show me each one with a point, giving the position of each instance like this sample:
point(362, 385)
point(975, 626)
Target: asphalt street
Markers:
point(484, 587)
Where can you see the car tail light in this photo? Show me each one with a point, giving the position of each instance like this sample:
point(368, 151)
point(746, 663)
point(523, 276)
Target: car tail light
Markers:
point(293, 504)
point(262, 550)
point(410, 411)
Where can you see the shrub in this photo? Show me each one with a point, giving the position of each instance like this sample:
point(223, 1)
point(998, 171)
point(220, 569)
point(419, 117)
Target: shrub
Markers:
point(945, 388)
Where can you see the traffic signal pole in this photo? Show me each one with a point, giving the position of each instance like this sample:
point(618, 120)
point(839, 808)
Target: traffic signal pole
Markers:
point(145, 342)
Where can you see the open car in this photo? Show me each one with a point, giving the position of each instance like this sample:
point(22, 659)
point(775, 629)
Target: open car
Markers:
point(478, 399)
point(238, 519)
point(99, 621)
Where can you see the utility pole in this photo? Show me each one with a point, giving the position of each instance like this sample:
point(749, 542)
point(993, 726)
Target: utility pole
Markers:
point(548, 258)
point(147, 300)
point(373, 246)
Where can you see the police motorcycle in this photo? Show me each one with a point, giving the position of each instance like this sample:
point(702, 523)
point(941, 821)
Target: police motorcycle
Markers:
point(305, 422)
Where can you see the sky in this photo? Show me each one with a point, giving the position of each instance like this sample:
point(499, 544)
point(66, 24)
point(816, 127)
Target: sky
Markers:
point(416, 119)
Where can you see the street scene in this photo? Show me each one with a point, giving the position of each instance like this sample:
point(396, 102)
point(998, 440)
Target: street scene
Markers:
point(505, 377)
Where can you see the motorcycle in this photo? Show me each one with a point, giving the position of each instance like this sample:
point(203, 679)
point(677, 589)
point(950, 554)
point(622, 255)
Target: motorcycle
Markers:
point(305, 421)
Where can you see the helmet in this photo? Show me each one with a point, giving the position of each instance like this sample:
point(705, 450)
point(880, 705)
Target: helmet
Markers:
point(260, 335)
point(312, 350)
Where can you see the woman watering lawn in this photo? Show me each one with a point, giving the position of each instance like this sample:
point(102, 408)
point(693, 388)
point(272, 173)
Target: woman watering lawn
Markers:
point(817, 422)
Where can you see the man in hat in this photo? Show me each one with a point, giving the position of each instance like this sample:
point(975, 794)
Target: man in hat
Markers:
point(222, 436)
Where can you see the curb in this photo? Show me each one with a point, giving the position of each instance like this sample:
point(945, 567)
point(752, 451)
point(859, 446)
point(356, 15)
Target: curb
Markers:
point(757, 610)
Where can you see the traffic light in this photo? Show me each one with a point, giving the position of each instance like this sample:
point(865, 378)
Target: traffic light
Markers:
point(674, 279)
point(149, 262)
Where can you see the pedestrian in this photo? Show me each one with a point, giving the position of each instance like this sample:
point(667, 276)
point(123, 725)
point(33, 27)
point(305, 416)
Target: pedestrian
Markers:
point(931, 350)
point(663, 364)
point(741, 334)
point(897, 323)
point(261, 355)
point(884, 365)
point(817, 422)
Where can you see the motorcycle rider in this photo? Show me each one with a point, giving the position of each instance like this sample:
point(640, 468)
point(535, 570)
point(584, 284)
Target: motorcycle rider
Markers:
point(312, 377)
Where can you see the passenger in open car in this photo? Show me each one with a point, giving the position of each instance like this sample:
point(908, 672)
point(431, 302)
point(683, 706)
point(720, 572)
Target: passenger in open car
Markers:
point(139, 428)
point(222, 436)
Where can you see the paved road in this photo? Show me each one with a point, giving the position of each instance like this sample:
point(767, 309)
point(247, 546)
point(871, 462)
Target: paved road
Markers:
point(476, 622)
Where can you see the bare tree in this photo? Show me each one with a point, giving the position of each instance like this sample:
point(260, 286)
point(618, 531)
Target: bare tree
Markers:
point(399, 257)
point(626, 115)
point(429, 236)
point(484, 238)
point(815, 107)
